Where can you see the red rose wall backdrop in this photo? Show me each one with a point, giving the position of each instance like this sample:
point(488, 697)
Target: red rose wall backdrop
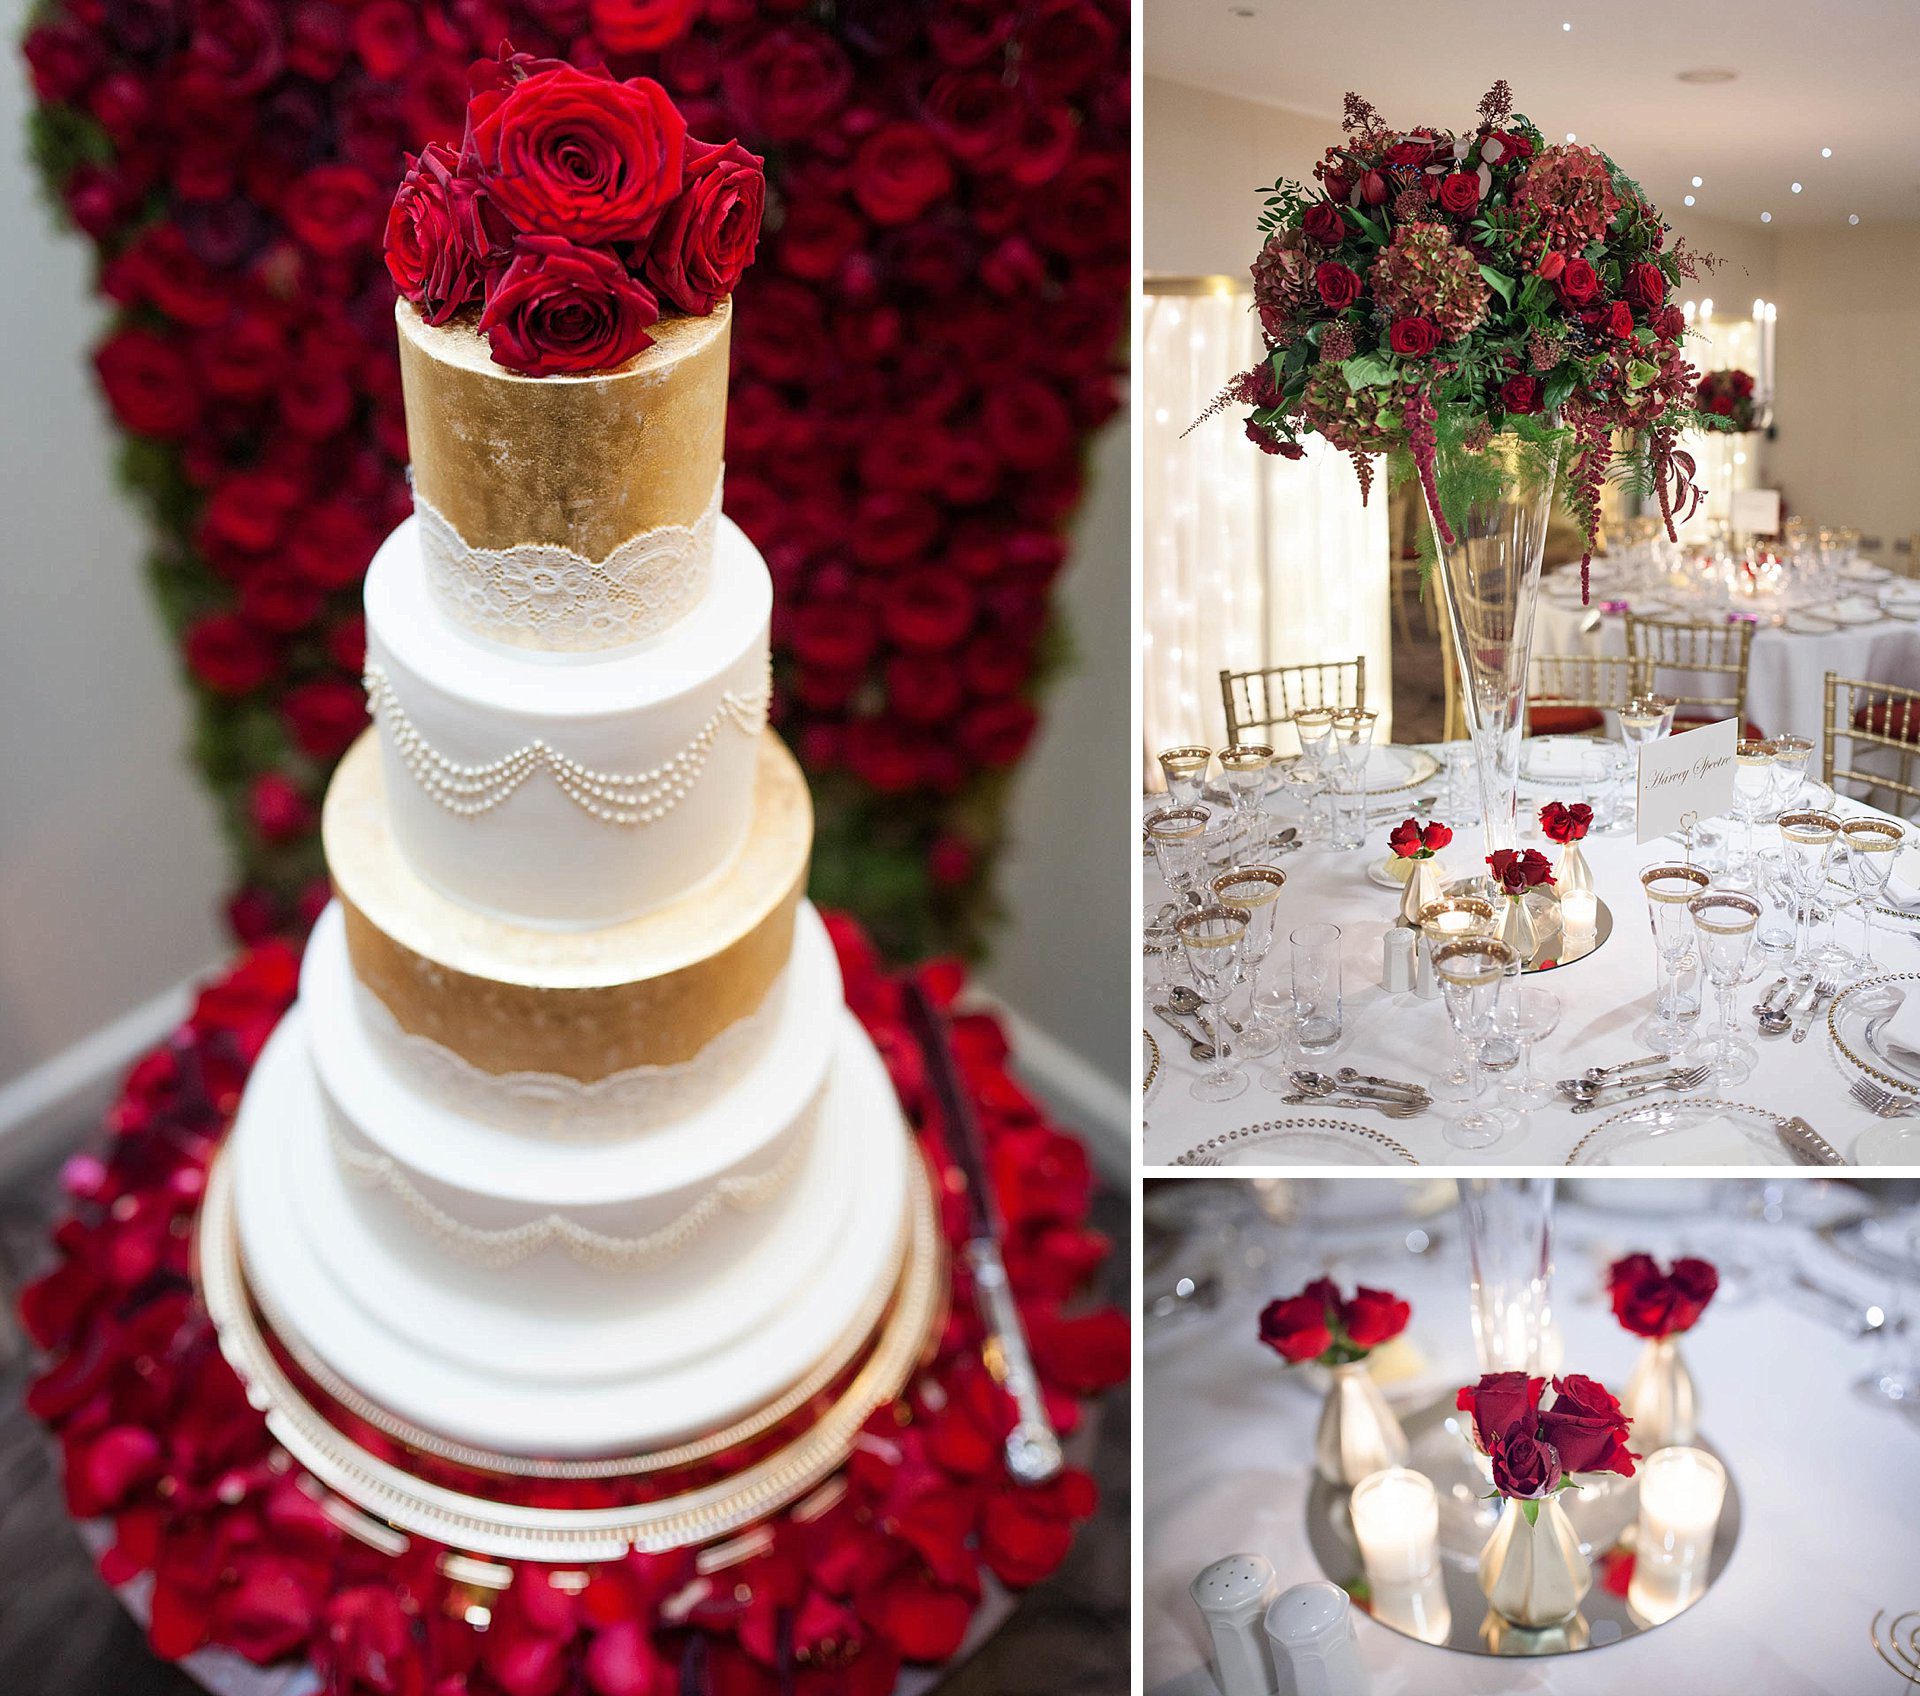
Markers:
point(928, 337)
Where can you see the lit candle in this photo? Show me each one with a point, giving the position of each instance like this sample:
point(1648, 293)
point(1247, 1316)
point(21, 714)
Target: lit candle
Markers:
point(1681, 1493)
point(1396, 1521)
point(1579, 913)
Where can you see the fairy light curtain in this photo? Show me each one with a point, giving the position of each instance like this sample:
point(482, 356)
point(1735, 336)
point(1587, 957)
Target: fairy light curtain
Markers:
point(1248, 560)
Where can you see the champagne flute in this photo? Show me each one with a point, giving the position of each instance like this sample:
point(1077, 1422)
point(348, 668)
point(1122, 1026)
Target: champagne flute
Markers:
point(1790, 757)
point(1256, 891)
point(1185, 770)
point(1643, 720)
point(1753, 781)
point(1724, 920)
point(1668, 890)
point(1314, 727)
point(1214, 938)
point(1871, 844)
point(1178, 835)
point(1353, 729)
point(1471, 971)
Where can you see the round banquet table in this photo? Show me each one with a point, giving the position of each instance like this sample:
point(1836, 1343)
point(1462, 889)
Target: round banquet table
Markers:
point(1602, 998)
point(1786, 669)
point(1828, 1472)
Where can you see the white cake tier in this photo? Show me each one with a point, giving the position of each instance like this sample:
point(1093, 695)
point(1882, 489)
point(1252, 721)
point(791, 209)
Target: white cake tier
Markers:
point(677, 1195)
point(553, 1357)
point(564, 790)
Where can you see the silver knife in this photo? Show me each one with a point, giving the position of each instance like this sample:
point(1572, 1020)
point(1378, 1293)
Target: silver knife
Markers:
point(1807, 1145)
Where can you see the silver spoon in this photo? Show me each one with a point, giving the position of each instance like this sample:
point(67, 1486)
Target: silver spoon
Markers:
point(1319, 1083)
point(1197, 1046)
point(1183, 1000)
point(1777, 1020)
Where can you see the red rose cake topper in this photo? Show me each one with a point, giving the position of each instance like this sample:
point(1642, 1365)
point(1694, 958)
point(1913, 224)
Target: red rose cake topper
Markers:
point(1320, 1324)
point(1563, 824)
point(1412, 840)
point(1653, 1303)
point(1540, 1434)
point(575, 207)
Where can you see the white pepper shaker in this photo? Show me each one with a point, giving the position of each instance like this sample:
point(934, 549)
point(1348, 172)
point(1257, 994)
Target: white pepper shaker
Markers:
point(1232, 1596)
point(1315, 1652)
point(1397, 950)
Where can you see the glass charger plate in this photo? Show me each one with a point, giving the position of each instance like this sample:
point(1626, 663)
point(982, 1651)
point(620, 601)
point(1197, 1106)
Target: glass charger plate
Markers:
point(1391, 767)
point(1856, 1018)
point(1448, 1610)
point(1677, 1131)
point(1298, 1142)
point(1149, 1062)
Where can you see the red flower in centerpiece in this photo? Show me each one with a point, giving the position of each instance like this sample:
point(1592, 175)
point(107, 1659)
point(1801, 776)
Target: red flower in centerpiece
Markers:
point(1339, 285)
point(1652, 1303)
point(1324, 223)
point(1319, 1324)
point(1460, 191)
point(1537, 1435)
point(1413, 337)
point(1412, 840)
point(1516, 871)
point(1561, 823)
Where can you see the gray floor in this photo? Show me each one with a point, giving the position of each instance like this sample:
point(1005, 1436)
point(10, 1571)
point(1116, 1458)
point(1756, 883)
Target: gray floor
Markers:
point(63, 1634)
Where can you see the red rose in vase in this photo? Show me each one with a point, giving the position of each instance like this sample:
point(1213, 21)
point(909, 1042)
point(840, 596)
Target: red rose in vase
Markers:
point(1320, 1324)
point(1563, 824)
point(1524, 1467)
point(1516, 872)
point(1653, 1303)
point(559, 307)
point(563, 152)
point(1414, 337)
point(1339, 285)
point(705, 240)
point(1536, 1433)
point(1411, 840)
point(1585, 1424)
point(1500, 1403)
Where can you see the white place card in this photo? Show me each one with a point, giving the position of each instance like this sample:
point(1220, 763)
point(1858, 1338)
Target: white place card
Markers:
point(1688, 773)
point(1756, 512)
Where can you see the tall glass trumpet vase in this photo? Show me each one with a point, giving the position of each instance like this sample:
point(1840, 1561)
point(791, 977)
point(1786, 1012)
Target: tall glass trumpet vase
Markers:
point(1489, 532)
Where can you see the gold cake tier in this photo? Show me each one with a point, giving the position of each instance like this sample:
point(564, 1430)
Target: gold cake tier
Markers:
point(585, 1004)
point(586, 462)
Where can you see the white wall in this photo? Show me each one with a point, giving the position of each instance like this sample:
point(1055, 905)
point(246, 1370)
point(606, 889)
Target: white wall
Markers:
point(111, 870)
point(110, 867)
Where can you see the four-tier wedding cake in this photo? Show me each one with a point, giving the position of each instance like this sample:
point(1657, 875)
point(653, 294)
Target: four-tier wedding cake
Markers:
point(570, 1155)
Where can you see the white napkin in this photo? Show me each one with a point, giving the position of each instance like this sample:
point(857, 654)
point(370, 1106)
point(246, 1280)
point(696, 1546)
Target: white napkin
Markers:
point(1556, 756)
point(1901, 1034)
point(1857, 609)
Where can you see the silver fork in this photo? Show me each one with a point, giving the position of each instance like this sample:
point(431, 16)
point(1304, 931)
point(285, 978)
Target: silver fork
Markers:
point(1392, 1110)
point(1691, 1078)
point(1884, 1102)
point(1822, 991)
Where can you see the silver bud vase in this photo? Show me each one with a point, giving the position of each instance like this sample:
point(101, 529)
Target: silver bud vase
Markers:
point(1358, 1433)
point(1533, 1572)
point(1660, 1398)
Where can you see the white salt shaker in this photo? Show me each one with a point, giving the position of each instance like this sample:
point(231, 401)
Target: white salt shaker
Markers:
point(1397, 953)
point(1232, 1596)
point(1315, 1652)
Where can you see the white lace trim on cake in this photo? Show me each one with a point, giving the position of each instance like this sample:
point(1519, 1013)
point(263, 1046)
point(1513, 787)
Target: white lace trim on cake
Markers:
point(543, 595)
point(641, 1098)
point(511, 1244)
point(615, 797)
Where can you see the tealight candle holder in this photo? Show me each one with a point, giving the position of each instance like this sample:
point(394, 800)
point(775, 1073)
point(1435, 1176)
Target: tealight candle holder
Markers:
point(1681, 1493)
point(1396, 1522)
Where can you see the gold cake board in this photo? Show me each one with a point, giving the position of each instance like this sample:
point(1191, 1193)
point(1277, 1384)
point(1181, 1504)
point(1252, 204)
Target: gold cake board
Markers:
point(386, 1503)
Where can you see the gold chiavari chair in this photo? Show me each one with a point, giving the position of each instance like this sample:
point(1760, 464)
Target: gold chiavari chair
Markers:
point(1679, 654)
point(1259, 700)
point(1871, 715)
point(1571, 694)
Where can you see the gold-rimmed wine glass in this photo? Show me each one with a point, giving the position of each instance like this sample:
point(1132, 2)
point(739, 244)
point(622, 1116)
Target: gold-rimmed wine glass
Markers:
point(1668, 889)
point(1871, 844)
point(1244, 766)
point(1178, 835)
point(1807, 838)
point(1753, 781)
point(1724, 921)
point(1471, 970)
point(1255, 890)
point(1185, 769)
point(1214, 939)
point(1353, 729)
point(1453, 918)
point(1314, 727)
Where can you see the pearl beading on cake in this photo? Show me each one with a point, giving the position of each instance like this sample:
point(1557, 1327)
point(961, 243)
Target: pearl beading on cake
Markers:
point(613, 797)
point(511, 1244)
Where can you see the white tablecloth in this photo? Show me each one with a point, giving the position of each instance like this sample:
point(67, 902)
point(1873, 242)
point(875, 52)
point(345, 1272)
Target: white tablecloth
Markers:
point(1786, 671)
point(1829, 1476)
point(1602, 998)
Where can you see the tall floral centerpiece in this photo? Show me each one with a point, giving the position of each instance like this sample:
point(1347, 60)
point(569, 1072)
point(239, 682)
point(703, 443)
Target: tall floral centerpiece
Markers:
point(1539, 1437)
point(1492, 311)
point(1358, 1433)
point(1730, 395)
point(1661, 1305)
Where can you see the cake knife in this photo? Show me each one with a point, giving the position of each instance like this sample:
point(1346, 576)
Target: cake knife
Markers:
point(1032, 1448)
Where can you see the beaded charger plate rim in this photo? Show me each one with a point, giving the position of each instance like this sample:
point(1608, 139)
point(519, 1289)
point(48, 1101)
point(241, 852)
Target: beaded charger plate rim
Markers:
point(1604, 1617)
point(1207, 1153)
point(474, 1530)
point(1640, 1109)
point(1421, 764)
point(1845, 1005)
